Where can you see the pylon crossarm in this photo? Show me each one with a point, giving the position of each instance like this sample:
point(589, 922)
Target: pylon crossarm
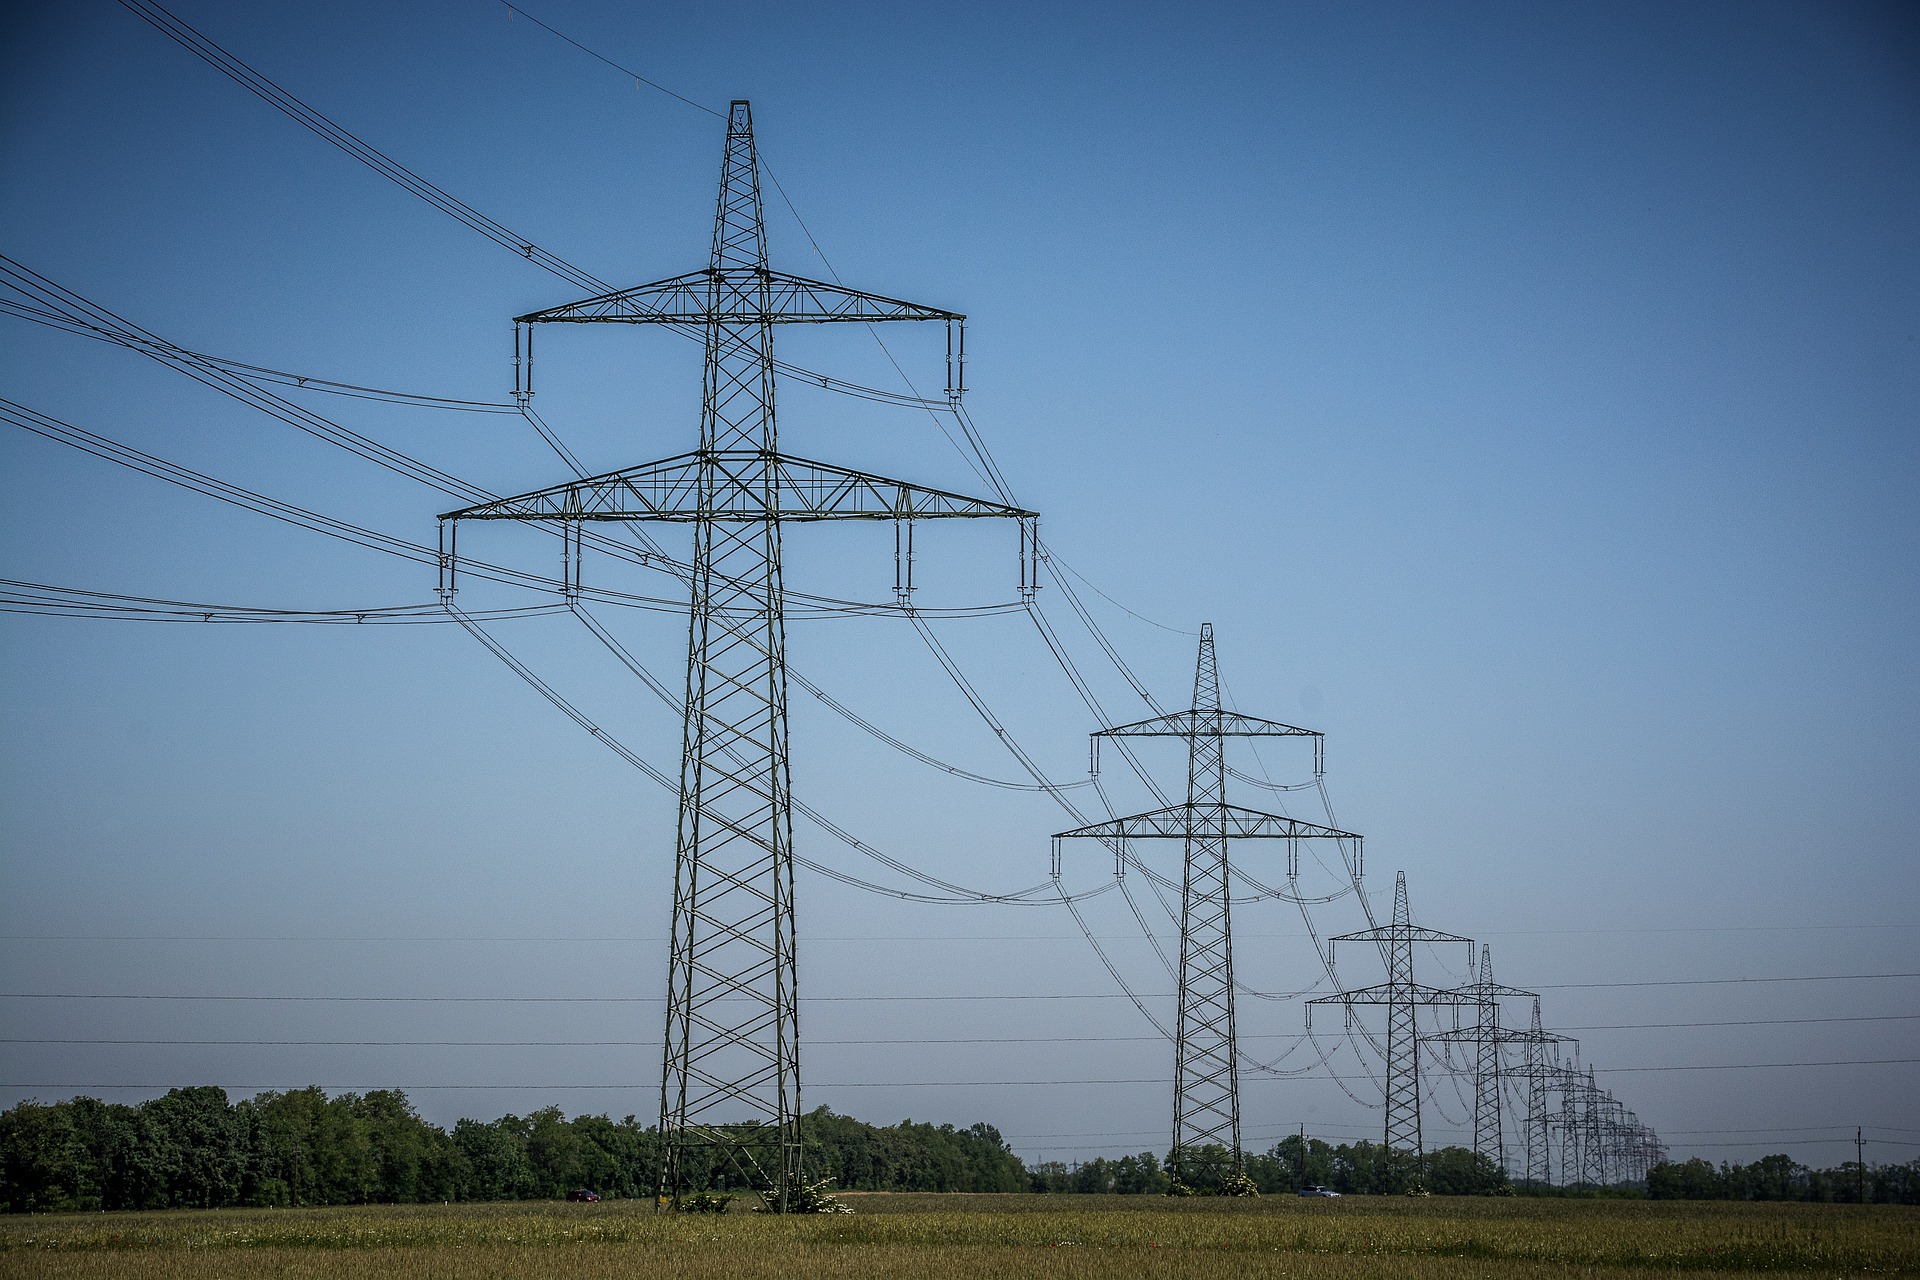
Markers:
point(744, 485)
point(736, 295)
point(1401, 932)
point(1398, 993)
point(1181, 821)
point(1226, 724)
point(1500, 1035)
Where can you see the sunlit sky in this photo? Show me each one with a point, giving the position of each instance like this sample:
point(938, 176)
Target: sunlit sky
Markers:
point(1527, 394)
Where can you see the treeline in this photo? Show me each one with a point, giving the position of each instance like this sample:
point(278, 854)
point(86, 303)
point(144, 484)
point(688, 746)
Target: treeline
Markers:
point(1362, 1168)
point(193, 1148)
point(1784, 1178)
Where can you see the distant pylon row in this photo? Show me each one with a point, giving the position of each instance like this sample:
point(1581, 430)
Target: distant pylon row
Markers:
point(1599, 1141)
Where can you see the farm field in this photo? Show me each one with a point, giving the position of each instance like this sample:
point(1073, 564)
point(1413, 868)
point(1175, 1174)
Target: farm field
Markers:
point(972, 1237)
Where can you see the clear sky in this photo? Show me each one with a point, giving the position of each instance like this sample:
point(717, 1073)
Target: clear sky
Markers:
point(1528, 395)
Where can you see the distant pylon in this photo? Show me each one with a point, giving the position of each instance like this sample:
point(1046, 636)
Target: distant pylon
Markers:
point(1489, 1036)
point(1402, 996)
point(1583, 1107)
point(1594, 1138)
point(1540, 1069)
point(730, 1080)
point(1206, 1068)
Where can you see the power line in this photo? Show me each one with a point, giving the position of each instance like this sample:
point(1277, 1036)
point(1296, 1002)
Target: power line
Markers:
point(1748, 1022)
point(259, 373)
point(920, 1084)
point(515, 9)
point(1089, 995)
point(1848, 1139)
point(187, 478)
point(591, 1044)
point(916, 937)
point(72, 602)
point(1714, 982)
point(30, 283)
point(1755, 1066)
point(1807, 1128)
point(381, 163)
point(504, 1044)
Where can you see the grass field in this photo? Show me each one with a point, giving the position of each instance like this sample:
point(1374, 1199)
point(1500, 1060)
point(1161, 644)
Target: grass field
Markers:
point(965, 1237)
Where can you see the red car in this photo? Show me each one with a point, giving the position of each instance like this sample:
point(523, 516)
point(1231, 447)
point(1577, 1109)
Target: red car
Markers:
point(583, 1196)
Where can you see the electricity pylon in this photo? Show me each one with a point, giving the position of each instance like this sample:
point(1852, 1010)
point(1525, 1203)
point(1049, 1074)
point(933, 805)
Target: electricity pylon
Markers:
point(730, 1079)
point(1540, 1069)
point(1401, 995)
point(1584, 1144)
point(1487, 1036)
point(1206, 1068)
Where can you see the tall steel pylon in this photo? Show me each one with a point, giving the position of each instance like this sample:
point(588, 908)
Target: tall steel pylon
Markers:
point(1402, 996)
point(1206, 1067)
point(1487, 1036)
point(730, 1078)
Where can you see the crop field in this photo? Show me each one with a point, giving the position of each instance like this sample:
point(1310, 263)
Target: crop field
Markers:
point(967, 1237)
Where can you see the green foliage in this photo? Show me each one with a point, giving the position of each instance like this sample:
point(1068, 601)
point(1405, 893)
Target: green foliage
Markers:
point(909, 1156)
point(1288, 1166)
point(704, 1202)
point(1363, 1168)
point(812, 1197)
point(1779, 1177)
point(1237, 1183)
point(195, 1149)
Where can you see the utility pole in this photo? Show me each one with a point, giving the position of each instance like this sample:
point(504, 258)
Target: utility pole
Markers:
point(1401, 995)
point(1860, 1162)
point(1206, 1067)
point(730, 1078)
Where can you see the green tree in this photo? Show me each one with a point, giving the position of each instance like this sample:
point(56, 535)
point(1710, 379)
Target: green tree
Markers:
point(1287, 1167)
point(1456, 1171)
point(41, 1160)
point(1694, 1179)
point(495, 1161)
point(201, 1147)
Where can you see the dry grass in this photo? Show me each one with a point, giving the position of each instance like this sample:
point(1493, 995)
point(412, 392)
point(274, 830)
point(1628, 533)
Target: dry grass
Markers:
point(964, 1237)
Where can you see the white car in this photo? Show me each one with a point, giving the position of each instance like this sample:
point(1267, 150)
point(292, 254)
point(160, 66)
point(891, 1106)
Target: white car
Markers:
point(1320, 1191)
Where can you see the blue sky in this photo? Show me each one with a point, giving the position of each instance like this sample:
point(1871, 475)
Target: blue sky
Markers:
point(1527, 395)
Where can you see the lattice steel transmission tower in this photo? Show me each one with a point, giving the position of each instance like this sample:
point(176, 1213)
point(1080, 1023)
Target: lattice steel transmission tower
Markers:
point(1487, 1036)
point(1541, 1068)
point(1402, 996)
point(1584, 1142)
point(730, 1079)
point(1206, 1067)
